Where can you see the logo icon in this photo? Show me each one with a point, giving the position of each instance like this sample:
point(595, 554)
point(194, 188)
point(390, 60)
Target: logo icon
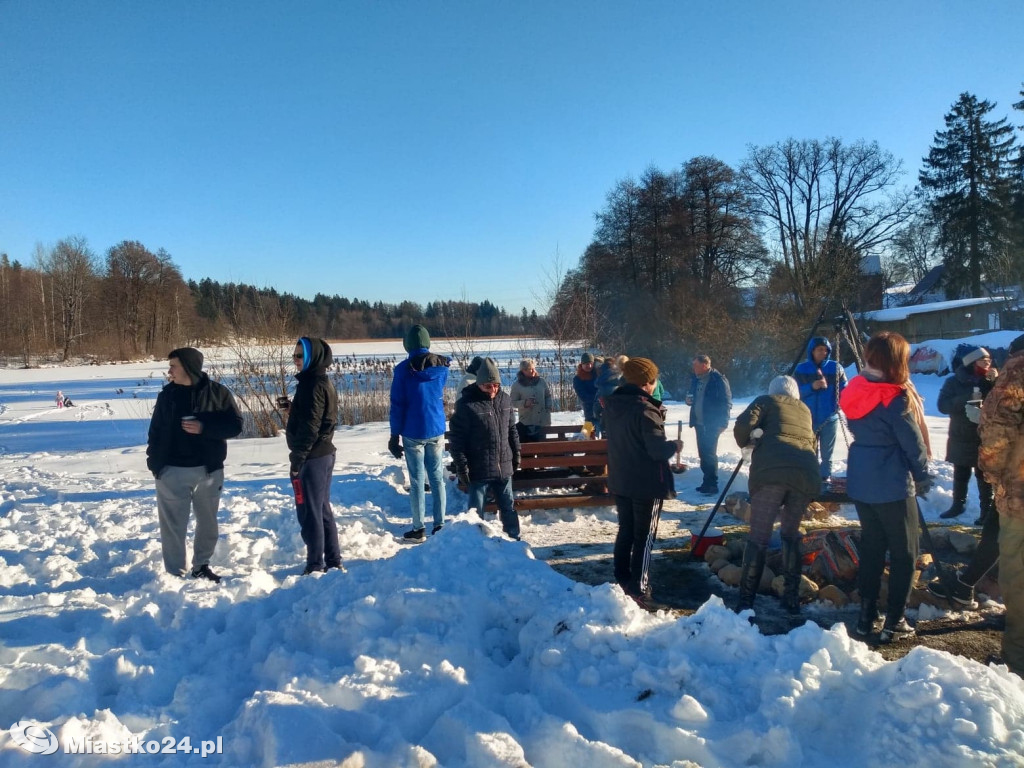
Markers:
point(33, 737)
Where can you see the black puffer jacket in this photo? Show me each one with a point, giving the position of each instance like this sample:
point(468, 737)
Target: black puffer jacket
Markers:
point(638, 451)
point(314, 410)
point(212, 404)
point(957, 390)
point(484, 439)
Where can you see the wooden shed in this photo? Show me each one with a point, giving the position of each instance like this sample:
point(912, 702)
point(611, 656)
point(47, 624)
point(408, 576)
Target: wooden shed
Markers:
point(940, 319)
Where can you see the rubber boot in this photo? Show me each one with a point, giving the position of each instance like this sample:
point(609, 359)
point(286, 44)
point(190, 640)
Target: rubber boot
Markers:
point(868, 617)
point(985, 497)
point(750, 576)
point(791, 572)
point(959, 493)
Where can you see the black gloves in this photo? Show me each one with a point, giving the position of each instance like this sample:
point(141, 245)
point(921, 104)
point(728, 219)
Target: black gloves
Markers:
point(395, 447)
point(921, 487)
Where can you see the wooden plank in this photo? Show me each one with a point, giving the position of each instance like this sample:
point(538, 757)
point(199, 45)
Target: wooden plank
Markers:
point(556, 482)
point(555, 447)
point(543, 462)
point(569, 501)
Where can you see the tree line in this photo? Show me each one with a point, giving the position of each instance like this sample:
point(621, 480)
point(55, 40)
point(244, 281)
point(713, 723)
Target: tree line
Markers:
point(133, 302)
point(739, 262)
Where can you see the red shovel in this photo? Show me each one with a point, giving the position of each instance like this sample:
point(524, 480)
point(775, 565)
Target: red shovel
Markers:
point(678, 468)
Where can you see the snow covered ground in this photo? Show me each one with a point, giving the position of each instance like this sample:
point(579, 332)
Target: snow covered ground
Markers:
point(465, 650)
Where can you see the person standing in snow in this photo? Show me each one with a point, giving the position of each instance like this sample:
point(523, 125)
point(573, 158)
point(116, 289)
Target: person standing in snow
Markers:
point(609, 376)
point(1001, 459)
point(783, 480)
point(192, 420)
point(821, 380)
point(485, 445)
point(530, 394)
point(584, 384)
point(638, 472)
point(887, 469)
point(60, 399)
point(417, 417)
point(972, 380)
point(710, 401)
point(312, 417)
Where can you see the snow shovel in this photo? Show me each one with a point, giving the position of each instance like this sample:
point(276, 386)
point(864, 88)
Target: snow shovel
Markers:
point(945, 576)
point(714, 511)
point(678, 468)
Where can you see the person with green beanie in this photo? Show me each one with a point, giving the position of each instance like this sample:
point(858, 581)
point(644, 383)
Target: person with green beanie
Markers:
point(417, 418)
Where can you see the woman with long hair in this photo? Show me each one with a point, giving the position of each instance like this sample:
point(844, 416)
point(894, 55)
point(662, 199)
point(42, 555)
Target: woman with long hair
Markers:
point(887, 469)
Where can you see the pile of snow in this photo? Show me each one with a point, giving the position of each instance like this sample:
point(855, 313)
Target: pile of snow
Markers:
point(463, 650)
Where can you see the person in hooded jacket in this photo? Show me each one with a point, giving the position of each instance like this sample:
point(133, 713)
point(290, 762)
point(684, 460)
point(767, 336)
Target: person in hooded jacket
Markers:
point(609, 376)
point(887, 469)
point(532, 397)
point(192, 420)
point(971, 381)
point(584, 384)
point(821, 380)
point(484, 445)
point(639, 476)
point(417, 417)
point(783, 480)
point(1001, 458)
point(312, 418)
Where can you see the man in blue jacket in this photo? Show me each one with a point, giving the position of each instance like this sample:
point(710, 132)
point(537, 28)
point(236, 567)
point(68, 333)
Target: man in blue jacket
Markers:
point(821, 379)
point(710, 401)
point(417, 417)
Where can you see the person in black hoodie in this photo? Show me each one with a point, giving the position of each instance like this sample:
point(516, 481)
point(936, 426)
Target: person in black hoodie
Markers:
point(312, 416)
point(638, 472)
point(192, 421)
point(485, 444)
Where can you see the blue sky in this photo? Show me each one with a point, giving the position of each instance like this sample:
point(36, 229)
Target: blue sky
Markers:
point(428, 150)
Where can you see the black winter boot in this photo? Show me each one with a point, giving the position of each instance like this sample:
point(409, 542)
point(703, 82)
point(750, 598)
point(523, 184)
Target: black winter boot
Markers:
point(895, 628)
point(750, 577)
point(868, 617)
point(959, 493)
point(791, 574)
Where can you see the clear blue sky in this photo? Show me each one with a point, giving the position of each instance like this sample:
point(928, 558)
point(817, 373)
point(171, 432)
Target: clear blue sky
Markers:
point(424, 150)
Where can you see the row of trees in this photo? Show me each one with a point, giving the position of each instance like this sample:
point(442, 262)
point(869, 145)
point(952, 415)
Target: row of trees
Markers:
point(135, 302)
point(737, 261)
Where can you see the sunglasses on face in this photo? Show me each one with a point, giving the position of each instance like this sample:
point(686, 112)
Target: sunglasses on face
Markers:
point(297, 356)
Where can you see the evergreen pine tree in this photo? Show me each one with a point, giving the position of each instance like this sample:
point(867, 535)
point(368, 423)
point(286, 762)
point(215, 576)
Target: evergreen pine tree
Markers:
point(967, 181)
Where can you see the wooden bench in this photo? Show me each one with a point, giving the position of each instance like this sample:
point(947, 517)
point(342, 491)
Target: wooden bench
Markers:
point(565, 473)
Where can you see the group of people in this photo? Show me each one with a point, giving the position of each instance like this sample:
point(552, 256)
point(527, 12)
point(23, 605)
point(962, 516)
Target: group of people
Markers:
point(788, 435)
point(887, 469)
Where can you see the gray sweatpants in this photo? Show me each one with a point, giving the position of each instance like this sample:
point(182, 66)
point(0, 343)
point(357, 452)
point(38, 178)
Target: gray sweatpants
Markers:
point(179, 489)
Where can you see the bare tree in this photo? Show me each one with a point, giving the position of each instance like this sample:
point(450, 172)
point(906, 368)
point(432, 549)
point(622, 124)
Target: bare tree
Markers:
point(826, 204)
point(71, 268)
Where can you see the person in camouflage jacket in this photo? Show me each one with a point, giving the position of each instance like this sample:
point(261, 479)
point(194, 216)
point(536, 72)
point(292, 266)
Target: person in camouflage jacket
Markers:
point(1001, 458)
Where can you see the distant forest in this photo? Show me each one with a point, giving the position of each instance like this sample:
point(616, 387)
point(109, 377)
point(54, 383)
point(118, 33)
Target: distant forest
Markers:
point(736, 262)
point(134, 302)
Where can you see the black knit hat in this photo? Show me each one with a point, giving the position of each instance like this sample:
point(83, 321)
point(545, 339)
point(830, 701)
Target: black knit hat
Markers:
point(1017, 344)
point(474, 364)
point(191, 360)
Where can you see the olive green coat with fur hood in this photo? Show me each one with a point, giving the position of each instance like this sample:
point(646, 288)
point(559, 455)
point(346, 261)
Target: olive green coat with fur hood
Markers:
point(785, 454)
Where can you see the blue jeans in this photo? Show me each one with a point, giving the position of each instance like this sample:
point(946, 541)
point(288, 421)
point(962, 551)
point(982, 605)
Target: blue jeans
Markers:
point(419, 455)
point(707, 449)
point(827, 444)
point(506, 503)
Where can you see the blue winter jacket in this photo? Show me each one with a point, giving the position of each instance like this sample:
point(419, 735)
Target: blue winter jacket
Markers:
point(888, 452)
point(417, 395)
point(823, 403)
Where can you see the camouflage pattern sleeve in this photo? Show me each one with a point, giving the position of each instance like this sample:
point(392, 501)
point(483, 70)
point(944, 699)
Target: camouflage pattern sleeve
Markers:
point(1001, 455)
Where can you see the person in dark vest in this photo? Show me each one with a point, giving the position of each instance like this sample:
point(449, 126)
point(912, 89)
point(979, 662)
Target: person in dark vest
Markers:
point(783, 479)
point(638, 472)
point(960, 399)
point(312, 417)
point(192, 421)
point(485, 445)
